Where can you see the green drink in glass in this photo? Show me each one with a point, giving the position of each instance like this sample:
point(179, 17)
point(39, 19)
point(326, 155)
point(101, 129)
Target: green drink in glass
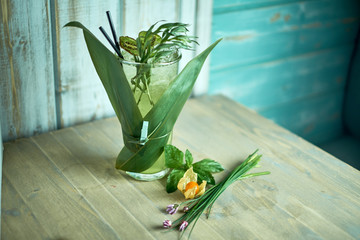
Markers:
point(148, 82)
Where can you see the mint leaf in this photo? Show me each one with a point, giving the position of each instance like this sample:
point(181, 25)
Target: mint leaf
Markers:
point(173, 156)
point(173, 179)
point(208, 165)
point(204, 175)
point(188, 159)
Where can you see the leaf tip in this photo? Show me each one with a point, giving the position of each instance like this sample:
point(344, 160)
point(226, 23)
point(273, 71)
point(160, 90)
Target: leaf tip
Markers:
point(73, 24)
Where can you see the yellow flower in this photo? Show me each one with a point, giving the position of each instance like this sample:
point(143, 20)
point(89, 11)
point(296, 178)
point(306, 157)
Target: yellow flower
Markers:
point(188, 185)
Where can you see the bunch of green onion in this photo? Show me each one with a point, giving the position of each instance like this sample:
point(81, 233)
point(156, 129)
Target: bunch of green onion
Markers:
point(195, 207)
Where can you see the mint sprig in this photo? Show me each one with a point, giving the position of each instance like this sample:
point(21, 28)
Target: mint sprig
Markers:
point(174, 158)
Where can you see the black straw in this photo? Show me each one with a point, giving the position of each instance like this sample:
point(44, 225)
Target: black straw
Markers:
point(112, 29)
point(111, 43)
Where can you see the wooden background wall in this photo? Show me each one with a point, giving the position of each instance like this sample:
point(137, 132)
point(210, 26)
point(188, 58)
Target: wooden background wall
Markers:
point(286, 59)
point(47, 77)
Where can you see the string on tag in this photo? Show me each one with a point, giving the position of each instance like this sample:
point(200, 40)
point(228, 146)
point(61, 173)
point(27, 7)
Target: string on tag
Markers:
point(144, 136)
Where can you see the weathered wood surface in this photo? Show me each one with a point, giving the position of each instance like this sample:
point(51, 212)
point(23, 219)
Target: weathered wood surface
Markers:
point(281, 55)
point(80, 94)
point(27, 94)
point(63, 185)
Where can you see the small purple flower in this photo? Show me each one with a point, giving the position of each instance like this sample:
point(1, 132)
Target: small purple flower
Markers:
point(167, 224)
point(183, 225)
point(172, 209)
point(186, 208)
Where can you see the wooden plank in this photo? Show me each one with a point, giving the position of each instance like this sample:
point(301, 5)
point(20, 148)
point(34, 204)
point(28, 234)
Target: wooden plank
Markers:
point(244, 131)
point(232, 141)
point(188, 16)
point(96, 155)
point(263, 85)
point(292, 16)
point(90, 174)
point(110, 128)
point(81, 94)
point(18, 220)
point(222, 6)
point(243, 121)
point(27, 81)
point(52, 200)
point(140, 15)
point(302, 93)
point(264, 48)
point(300, 199)
point(283, 31)
point(197, 121)
point(203, 32)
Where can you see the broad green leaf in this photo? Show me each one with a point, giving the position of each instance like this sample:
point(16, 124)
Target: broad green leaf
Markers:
point(188, 159)
point(174, 158)
point(204, 175)
point(115, 83)
point(173, 179)
point(208, 165)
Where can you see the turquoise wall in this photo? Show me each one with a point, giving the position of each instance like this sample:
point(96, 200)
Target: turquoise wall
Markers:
point(288, 60)
point(352, 96)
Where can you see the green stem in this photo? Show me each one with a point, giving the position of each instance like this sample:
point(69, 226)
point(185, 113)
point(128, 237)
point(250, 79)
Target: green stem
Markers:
point(139, 98)
point(148, 93)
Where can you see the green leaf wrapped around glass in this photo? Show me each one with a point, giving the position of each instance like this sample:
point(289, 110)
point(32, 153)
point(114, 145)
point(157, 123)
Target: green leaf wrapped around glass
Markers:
point(145, 91)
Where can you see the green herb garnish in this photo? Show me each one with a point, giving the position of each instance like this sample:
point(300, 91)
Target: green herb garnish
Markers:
point(151, 47)
point(195, 207)
point(174, 158)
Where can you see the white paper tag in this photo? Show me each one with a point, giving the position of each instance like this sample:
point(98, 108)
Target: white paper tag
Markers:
point(144, 133)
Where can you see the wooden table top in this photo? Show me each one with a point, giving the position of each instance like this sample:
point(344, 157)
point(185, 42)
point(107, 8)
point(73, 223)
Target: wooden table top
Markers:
point(63, 184)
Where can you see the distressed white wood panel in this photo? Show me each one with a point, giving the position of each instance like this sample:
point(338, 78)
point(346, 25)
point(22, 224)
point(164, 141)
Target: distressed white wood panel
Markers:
point(81, 95)
point(188, 16)
point(139, 15)
point(203, 31)
point(27, 96)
